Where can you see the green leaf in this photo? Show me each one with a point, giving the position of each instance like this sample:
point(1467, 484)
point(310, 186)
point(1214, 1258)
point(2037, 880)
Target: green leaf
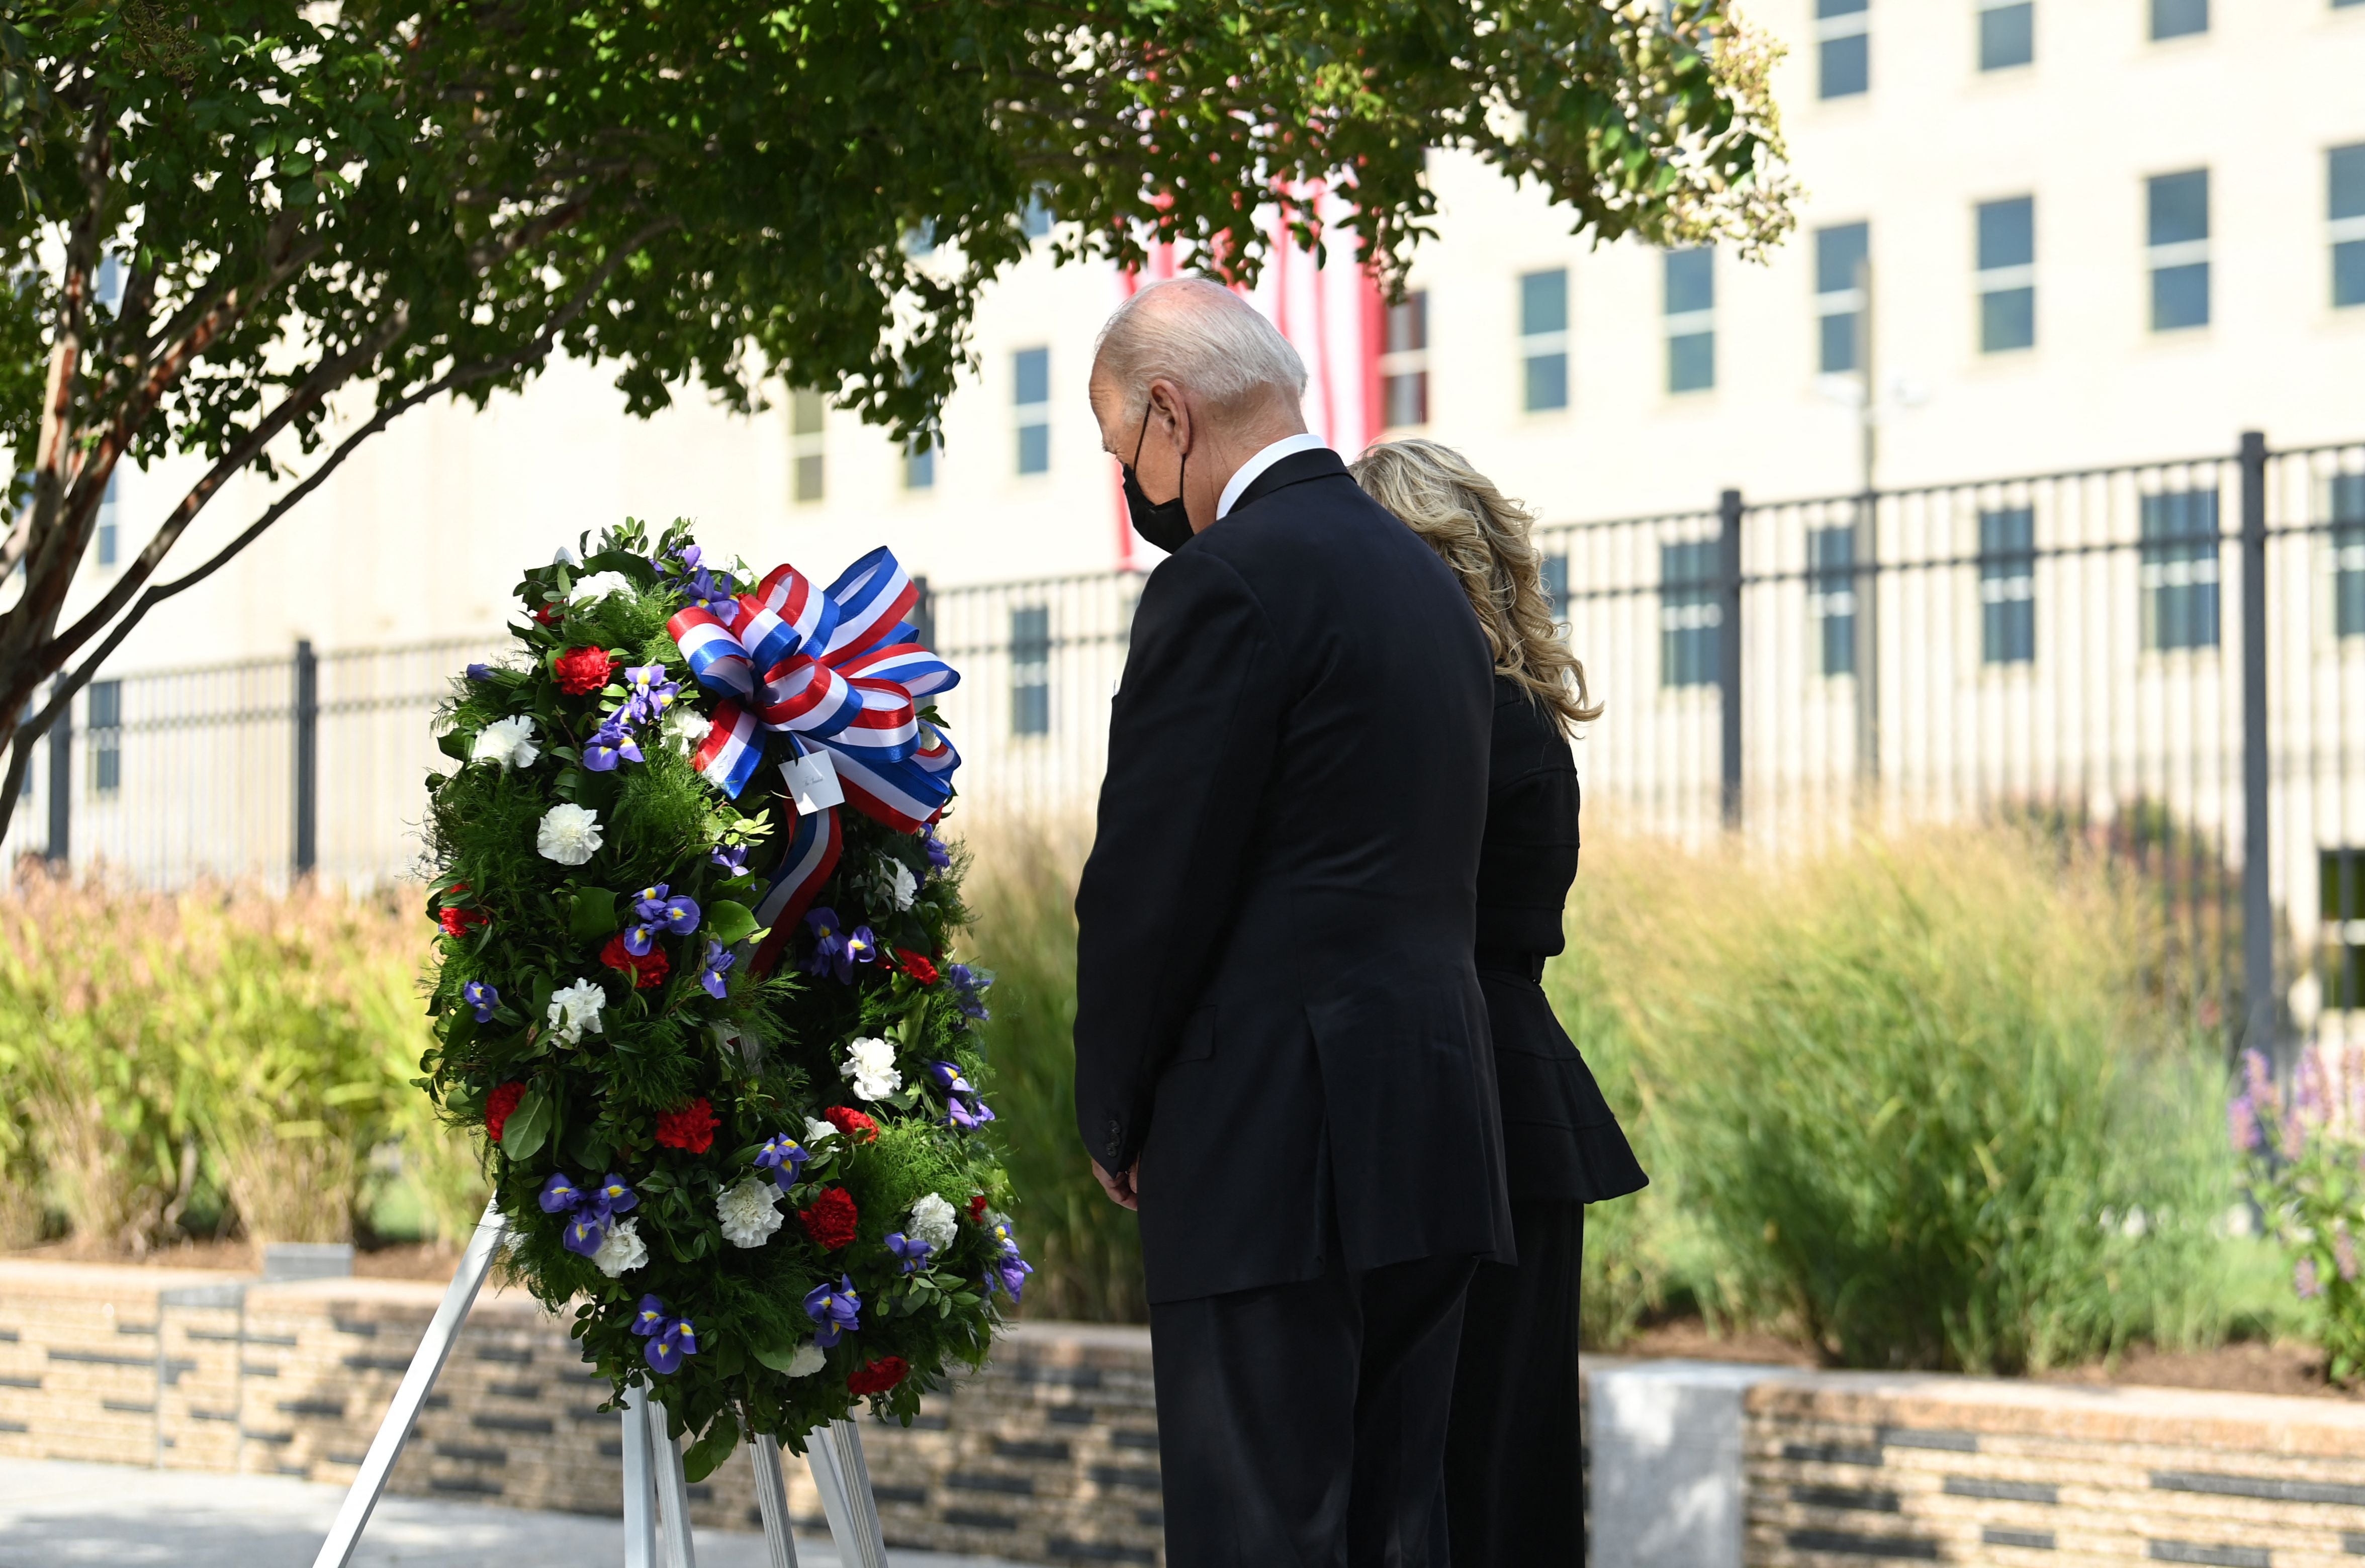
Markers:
point(593, 917)
point(528, 1127)
point(730, 921)
point(702, 1456)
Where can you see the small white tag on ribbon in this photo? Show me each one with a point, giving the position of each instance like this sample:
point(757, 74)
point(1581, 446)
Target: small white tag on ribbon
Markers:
point(813, 782)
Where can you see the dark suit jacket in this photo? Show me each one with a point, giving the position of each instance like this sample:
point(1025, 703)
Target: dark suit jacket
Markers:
point(1276, 1008)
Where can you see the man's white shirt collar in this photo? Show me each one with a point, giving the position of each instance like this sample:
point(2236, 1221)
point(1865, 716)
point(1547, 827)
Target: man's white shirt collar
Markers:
point(1287, 446)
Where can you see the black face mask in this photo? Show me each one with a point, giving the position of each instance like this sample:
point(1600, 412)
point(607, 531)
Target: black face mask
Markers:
point(1166, 524)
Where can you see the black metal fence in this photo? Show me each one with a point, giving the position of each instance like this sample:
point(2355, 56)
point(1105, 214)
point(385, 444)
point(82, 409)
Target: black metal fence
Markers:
point(2166, 658)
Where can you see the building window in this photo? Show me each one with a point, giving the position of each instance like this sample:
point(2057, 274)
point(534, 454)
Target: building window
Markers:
point(2179, 569)
point(1555, 576)
point(1031, 394)
point(920, 463)
point(2008, 585)
point(1689, 613)
point(1690, 306)
point(106, 714)
point(1030, 670)
point(2345, 176)
point(1403, 363)
point(1843, 254)
point(109, 540)
point(1831, 594)
point(1843, 47)
point(2007, 269)
point(805, 420)
point(1035, 219)
point(2179, 19)
point(2349, 554)
point(2341, 874)
point(1543, 340)
point(2180, 250)
point(2007, 34)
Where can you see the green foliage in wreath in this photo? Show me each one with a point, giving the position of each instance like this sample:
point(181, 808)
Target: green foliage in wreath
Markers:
point(765, 1198)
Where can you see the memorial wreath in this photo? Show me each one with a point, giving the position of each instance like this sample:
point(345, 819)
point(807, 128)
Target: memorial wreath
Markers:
point(693, 987)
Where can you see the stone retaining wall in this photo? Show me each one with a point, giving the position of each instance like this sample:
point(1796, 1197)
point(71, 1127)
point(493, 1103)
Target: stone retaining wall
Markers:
point(1050, 1455)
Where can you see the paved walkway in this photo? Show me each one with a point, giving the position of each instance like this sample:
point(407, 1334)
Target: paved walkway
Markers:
point(54, 1514)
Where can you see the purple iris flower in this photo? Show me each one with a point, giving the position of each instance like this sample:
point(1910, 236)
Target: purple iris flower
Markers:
point(654, 914)
point(586, 1229)
point(613, 1197)
point(560, 1195)
point(709, 975)
point(669, 1338)
point(829, 954)
point(836, 1308)
point(963, 1109)
point(649, 692)
point(911, 1250)
point(968, 986)
point(939, 858)
point(1008, 1270)
point(714, 592)
point(731, 857)
point(785, 1158)
point(481, 997)
point(480, 672)
point(590, 1213)
point(609, 744)
point(861, 946)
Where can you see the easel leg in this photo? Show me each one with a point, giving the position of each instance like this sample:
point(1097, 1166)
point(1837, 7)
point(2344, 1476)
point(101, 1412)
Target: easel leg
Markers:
point(772, 1501)
point(673, 1492)
point(640, 1485)
point(354, 1514)
point(844, 1480)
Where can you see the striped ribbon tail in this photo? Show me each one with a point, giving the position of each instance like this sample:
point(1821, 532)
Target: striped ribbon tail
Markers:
point(812, 857)
point(873, 596)
point(905, 794)
point(731, 751)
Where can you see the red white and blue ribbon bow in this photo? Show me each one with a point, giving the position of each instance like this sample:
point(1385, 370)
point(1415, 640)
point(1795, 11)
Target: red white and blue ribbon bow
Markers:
point(838, 669)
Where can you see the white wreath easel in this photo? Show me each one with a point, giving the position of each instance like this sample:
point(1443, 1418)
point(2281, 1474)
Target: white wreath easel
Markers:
point(655, 1495)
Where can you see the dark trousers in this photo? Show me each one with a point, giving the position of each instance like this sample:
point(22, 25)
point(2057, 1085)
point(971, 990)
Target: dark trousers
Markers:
point(1303, 1426)
point(1513, 1456)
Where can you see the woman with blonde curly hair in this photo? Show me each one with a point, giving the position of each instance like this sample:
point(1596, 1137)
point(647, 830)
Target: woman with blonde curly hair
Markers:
point(1512, 1448)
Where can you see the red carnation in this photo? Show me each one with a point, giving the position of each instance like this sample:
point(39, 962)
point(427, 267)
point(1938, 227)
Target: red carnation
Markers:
point(582, 671)
point(497, 1106)
point(647, 970)
point(691, 1128)
point(977, 1207)
point(852, 1123)
point(916, 964)
point(546, 614)
point(456, 922)
point(830, 1218)
point(878, 1376)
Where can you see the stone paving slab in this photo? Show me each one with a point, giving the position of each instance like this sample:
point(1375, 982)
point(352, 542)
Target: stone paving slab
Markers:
point(66, 1514)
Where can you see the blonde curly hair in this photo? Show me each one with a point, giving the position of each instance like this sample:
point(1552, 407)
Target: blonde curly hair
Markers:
point(1484, 535)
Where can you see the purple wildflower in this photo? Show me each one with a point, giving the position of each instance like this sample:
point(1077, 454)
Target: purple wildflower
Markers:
point(836, 1308)
point(655, 915)
point(913, 1251)
point(2305, 1280)
point(2344, 1254)
point(711, 969)
point(2242, 1124)
point(785, 1158)
point(481, 997)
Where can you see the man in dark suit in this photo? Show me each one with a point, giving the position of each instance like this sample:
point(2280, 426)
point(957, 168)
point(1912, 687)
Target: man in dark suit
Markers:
point(1282, 1055)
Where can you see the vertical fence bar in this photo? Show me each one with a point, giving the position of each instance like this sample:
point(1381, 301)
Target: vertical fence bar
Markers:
point(1728, 649)
point(60, 848)
point(2257, 907)
point(307, 747)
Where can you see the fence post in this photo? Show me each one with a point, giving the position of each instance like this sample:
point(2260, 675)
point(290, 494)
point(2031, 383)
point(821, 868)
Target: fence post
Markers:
point(61, 848)
point(308, 757)
point(1728, 647)
point(2258, 904)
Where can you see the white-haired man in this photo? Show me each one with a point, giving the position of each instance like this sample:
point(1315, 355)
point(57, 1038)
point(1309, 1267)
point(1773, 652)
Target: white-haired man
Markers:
point(1282, 1055)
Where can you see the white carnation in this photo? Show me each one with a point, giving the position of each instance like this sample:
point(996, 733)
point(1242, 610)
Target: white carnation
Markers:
point(871, 1067)
point(817, 1130)
point(932, 1222)
point(808, 1361)
point(747, 1212)
point(902, 887)
point(575, 1011)
point(687, 727)
point(622, 1250)
point(507, 742)
point(569, 834)
point(599, 584)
